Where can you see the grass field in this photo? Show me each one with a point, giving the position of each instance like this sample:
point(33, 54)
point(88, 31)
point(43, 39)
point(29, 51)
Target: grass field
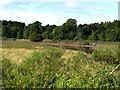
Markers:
point(32, 64)
point(31, 45)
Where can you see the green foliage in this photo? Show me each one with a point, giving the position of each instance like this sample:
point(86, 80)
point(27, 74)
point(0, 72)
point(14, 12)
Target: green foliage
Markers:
point(35, 31)
point(7, 68)
point(58, 33)
point(107, 31)
point(106, 55)
point(48, 29)
point(86, 31)
point(65, 32)
point(12, 29)
point(36, 71)
point(46, 69)
point(94, 36)
point(103, 80)
point(69, 29)
point(35, 37)
point(20, 34)
point(118, 52)
point(6, 33)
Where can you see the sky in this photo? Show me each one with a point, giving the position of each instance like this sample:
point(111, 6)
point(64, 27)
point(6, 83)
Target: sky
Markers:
point(58, 11)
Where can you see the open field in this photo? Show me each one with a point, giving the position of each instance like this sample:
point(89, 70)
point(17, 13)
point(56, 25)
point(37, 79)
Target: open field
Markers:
point(31, 45)
point(32, 64)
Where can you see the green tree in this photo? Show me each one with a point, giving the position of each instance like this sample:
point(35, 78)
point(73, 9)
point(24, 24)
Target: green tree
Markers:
point(118, 31)
point(86, 31)
point(109, 31)
point(35, 37)
point(14, 31)
point(20, 30)
point(57, 33)
point(35, 31)
point(47, 34)
point(94, 36)
point(6, 33)
point(26, 31)
point(20, 34)
point(69, 29)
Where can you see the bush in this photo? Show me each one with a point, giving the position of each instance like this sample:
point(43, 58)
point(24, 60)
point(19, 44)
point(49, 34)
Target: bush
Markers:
point(106, 55)
point(118, 51)
point(35, 37)
point(47, 69)
point(8, 73)
point(103, 80)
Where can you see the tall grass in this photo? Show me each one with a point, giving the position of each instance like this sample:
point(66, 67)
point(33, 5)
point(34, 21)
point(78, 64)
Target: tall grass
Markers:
point(49, 69)
point(107, 55)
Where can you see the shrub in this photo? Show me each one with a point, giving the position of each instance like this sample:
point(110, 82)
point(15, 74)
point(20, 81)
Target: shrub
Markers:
point(35, 37)
point(103, 80)
point(47, 69)
point(118, 52)
point(8, 73)
point(106, 55)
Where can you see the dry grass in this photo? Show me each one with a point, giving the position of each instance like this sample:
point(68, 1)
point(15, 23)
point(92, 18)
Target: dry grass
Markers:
point(16, 55)
point(69, 54)
point(107, 45)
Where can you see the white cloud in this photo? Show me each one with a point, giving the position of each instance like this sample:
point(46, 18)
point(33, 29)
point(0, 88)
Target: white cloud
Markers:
point(47, 18)
point(64, 0)
point(4, 2)
point(51, 17)
point(88, 19)
point(30, 17)
point(95, 13)
point(23, 6)
point(72, 4)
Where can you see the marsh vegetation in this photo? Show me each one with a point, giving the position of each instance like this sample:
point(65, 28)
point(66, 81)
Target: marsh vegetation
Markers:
point(34, 65)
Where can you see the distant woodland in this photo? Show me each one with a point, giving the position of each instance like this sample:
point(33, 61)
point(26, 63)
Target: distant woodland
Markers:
point(104, 31)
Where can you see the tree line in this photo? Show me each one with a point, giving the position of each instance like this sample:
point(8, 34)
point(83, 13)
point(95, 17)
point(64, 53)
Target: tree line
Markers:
point(104, 31)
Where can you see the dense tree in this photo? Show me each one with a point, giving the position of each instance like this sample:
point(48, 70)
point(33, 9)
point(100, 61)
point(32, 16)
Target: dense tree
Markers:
point(58, 33)
point(94, 35)
point(105, 31)
point(20, 31)
point(35, 37)
point(26, 31)
point(6, 33)
point(79, 33)
point(35, 31)
point(47, 34)
point(12, 29)
point(118, 32)
point(69, 29)
point(0, 29)
point(86, 31)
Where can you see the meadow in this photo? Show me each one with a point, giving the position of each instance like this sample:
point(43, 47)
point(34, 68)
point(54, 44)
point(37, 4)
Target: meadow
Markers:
point(27, 64)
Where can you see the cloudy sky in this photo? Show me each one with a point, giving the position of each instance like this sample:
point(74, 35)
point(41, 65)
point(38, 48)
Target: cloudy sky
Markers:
point(58, 11)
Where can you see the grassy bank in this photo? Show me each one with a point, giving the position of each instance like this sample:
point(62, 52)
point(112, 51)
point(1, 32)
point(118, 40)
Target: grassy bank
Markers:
point(52, 67)
point(31, 45)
